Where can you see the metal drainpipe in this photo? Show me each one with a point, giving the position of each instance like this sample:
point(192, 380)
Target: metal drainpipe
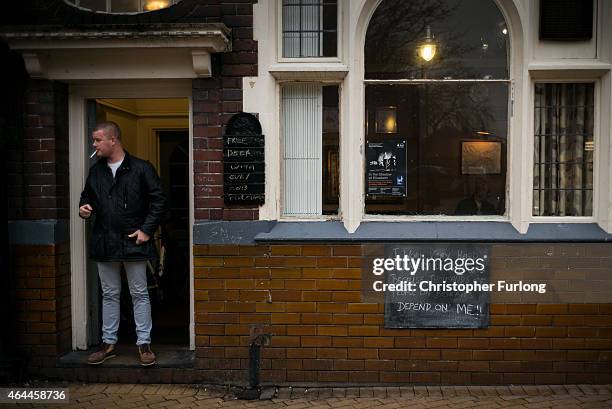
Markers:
point(254, 365)
point(258, 339)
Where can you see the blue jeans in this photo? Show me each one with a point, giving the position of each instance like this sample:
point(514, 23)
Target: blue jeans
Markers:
point(110, 278)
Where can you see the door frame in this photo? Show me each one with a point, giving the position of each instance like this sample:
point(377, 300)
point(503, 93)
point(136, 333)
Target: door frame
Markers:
point(79, 93)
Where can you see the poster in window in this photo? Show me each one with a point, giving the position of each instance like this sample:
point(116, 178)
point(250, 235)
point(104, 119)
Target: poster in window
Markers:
point(386, 167)
point(481, 158)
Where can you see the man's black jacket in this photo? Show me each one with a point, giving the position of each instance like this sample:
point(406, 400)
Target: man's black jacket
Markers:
point(133, 200)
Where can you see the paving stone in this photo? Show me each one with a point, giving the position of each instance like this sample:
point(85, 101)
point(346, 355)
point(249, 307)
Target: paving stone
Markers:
point(109, 396)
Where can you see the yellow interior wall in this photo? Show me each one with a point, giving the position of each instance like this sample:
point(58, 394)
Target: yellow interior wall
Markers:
point(141, 119)
point(128, 124)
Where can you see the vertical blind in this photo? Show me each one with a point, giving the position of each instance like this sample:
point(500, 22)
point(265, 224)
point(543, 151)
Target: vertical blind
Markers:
point(302, 130)
point(563, 151)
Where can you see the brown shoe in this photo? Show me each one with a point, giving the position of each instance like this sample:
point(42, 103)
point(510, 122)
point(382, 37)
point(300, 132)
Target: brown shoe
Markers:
point(107, 351)
point(147, 357)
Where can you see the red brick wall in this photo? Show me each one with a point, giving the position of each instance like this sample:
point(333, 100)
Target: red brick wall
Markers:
point(38, 174)
point(215, 101)
point(322, 332)
point(42, 279)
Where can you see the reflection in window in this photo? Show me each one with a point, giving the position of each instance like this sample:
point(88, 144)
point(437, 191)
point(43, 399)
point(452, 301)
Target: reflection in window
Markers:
point(471, 40)
point(455, 138)
point(310, 137)
point(310, 28)
point(123, 6)
point(439, 70)
point(563, 151)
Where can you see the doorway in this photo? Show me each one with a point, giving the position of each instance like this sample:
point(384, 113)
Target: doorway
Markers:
point(157, 129)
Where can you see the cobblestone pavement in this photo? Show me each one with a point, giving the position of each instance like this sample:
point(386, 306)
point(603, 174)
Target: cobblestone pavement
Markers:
point(106, 396)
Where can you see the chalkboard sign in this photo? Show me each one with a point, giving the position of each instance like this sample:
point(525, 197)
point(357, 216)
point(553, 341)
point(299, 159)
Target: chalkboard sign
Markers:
point(243, 161)
point(439, 296)
point(386, 168)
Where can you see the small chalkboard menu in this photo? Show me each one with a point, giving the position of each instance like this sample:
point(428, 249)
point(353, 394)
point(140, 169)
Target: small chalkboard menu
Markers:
point(243, 161)
point(386, 167)
point(439, 296)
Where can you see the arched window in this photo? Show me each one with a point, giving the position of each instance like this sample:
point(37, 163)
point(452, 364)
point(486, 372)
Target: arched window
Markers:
point(437, 92)
point(122, 6)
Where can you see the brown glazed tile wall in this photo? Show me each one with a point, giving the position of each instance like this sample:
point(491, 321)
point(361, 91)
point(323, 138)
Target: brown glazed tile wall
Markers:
point(42, 281)
point(309, 298)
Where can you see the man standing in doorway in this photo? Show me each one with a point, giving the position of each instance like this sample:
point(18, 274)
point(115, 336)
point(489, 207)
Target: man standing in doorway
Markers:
point(125, 196)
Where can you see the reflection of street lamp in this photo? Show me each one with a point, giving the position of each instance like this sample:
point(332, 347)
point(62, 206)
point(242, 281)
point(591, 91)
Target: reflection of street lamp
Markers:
point(427, 50)
point(386, 120)
point(151, 5)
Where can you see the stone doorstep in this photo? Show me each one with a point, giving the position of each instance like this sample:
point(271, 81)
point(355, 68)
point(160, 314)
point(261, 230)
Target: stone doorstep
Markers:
point(168, 356)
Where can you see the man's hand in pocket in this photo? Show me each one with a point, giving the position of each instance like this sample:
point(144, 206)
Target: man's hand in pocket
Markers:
point(141, 237)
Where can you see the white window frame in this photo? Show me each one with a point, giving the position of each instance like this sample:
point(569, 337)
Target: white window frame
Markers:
point(354, 212)
point(566, 78)
point(512, 176)
point(369, 217)
point(524, 68)
point(281, 59)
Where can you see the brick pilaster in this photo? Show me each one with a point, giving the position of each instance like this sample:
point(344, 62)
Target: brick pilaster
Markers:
point(38, 191)
point(215, 101)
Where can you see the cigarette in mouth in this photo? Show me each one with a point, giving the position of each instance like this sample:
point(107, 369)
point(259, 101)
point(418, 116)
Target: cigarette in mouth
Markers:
point(93, 154)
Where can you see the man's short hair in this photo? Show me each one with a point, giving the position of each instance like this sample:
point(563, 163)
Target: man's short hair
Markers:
point(110, 129)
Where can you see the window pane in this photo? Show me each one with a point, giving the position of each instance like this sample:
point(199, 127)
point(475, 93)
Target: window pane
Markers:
point(95, 5)
point(331, 152)
point(309, 28)
point(454, 158)
point(563, 150)
point(125, 6)
point(471, 40)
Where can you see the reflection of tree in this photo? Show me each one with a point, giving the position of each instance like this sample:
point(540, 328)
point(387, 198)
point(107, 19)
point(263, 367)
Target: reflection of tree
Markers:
point(397, 28)
point(396, 24)
point(453, 105)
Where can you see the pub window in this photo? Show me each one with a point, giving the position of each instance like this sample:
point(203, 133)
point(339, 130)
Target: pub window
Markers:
point(310, 28)
point(310, 141)
point(122, 6)
point(437, 101)
point(563, 150)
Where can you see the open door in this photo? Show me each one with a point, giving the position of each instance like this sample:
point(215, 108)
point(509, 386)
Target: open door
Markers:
point(155, 130)
point(94, 296)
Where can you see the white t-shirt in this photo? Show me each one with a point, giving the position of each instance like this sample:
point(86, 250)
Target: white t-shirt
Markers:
point(114, 166)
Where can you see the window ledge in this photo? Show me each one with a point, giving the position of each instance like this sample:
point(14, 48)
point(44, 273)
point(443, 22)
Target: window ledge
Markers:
point(579, 69)
point(309, 72)
point(433, 231)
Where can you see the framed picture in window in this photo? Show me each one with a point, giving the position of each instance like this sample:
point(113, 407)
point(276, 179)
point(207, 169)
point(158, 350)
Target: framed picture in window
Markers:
point(481, 157)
